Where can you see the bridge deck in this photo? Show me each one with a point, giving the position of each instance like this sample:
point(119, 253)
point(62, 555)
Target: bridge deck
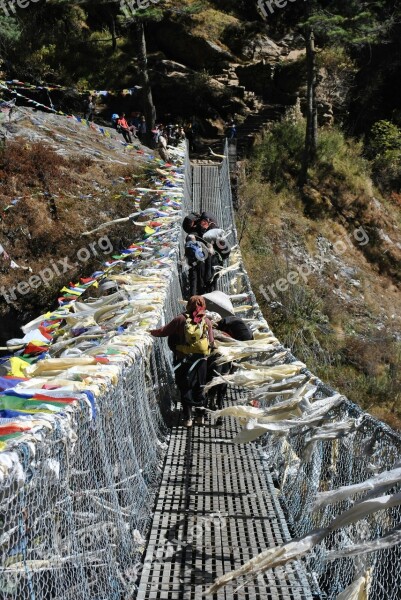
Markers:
point(217, 506)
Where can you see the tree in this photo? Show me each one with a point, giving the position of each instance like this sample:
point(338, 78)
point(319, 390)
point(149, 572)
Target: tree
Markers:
point(10, 32)
point(352, 25)
point(311, 134)
point(137, 19)
point(149, 107)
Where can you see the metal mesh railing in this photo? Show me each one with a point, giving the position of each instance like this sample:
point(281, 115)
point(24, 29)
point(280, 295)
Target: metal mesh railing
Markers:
point(371, 449)
point(302, 468)
point(77, 493)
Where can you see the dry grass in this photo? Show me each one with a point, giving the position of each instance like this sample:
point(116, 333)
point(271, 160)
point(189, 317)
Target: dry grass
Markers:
point(347, 343)
point(211, 23)
point(59, 198)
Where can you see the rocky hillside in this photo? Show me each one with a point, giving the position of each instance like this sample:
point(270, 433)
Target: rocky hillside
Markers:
point(338, 237)
point(60, 179)
point(325, 263)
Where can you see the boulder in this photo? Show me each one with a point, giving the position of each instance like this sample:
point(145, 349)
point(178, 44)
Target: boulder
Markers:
point(260, 46)
point(171, 65)
point(179, 44)
point(257, 77)
point(292, 41)
point(179, 93)
point(289, 77)
point(260, 78)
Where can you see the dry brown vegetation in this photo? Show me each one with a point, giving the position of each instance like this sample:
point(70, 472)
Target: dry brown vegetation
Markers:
point(58, 198)
point(344, 322)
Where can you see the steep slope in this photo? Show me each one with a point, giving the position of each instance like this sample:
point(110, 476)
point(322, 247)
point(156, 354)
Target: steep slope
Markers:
point(60, 178)
point(326, 264)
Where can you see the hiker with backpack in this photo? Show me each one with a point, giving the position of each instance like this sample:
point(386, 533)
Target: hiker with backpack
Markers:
point(190, 336)
point(196, 253)
point(205, 249)
point(218, 249)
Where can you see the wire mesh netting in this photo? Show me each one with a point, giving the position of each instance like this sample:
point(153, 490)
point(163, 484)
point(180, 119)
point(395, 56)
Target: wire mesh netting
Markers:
point(77, 492)
point(77, 496)
point(302, 466)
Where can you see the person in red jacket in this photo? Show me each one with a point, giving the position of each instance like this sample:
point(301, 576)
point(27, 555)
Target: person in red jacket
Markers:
point(124, 128)
point(190, 356)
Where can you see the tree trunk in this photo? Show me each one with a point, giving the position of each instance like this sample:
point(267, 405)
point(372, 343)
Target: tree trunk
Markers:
point(149, 107)
point(311, 108)
point(112, 28)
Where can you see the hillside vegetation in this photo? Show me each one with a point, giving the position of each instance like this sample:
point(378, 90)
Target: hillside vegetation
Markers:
point(342, 238)
point(336, 234)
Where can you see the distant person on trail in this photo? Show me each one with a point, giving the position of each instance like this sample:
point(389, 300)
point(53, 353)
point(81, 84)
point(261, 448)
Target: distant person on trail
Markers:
point(156, 133)
point(179, 135)
point(231, 130)
point(133, 129)
point(142, 128)
point(193, 131)
point(114, 119)
point(135, 119)
point(90, 108)
point(190, 137)
point(162, 147)
point(123, 128)
point(190, 337)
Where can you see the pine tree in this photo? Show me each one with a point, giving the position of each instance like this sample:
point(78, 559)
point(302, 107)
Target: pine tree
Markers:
point(338, 22)
point(137, 19)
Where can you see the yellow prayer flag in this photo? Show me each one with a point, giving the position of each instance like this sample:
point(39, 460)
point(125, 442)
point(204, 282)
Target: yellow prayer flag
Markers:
point(18, 366)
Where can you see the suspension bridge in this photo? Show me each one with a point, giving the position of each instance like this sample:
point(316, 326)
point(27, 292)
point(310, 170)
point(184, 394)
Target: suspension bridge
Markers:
point(117, 501)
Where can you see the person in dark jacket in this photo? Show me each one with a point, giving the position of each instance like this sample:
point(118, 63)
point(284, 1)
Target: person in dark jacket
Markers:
point(142, 129)
point(90, 108)
point(206, 223)
point(191, 367)
point(236, 328)
point(196, 253)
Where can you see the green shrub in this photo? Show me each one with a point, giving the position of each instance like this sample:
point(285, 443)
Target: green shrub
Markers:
point(384, 148)
point(384, 137)
point(278, 158)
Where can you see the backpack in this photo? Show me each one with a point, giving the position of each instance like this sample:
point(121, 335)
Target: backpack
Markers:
point(236, 327)
point(194, 253)
point(196, 338)
point(222, 247)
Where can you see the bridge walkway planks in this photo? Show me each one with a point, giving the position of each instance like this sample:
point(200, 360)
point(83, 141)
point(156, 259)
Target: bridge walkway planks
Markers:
point(217, 506)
